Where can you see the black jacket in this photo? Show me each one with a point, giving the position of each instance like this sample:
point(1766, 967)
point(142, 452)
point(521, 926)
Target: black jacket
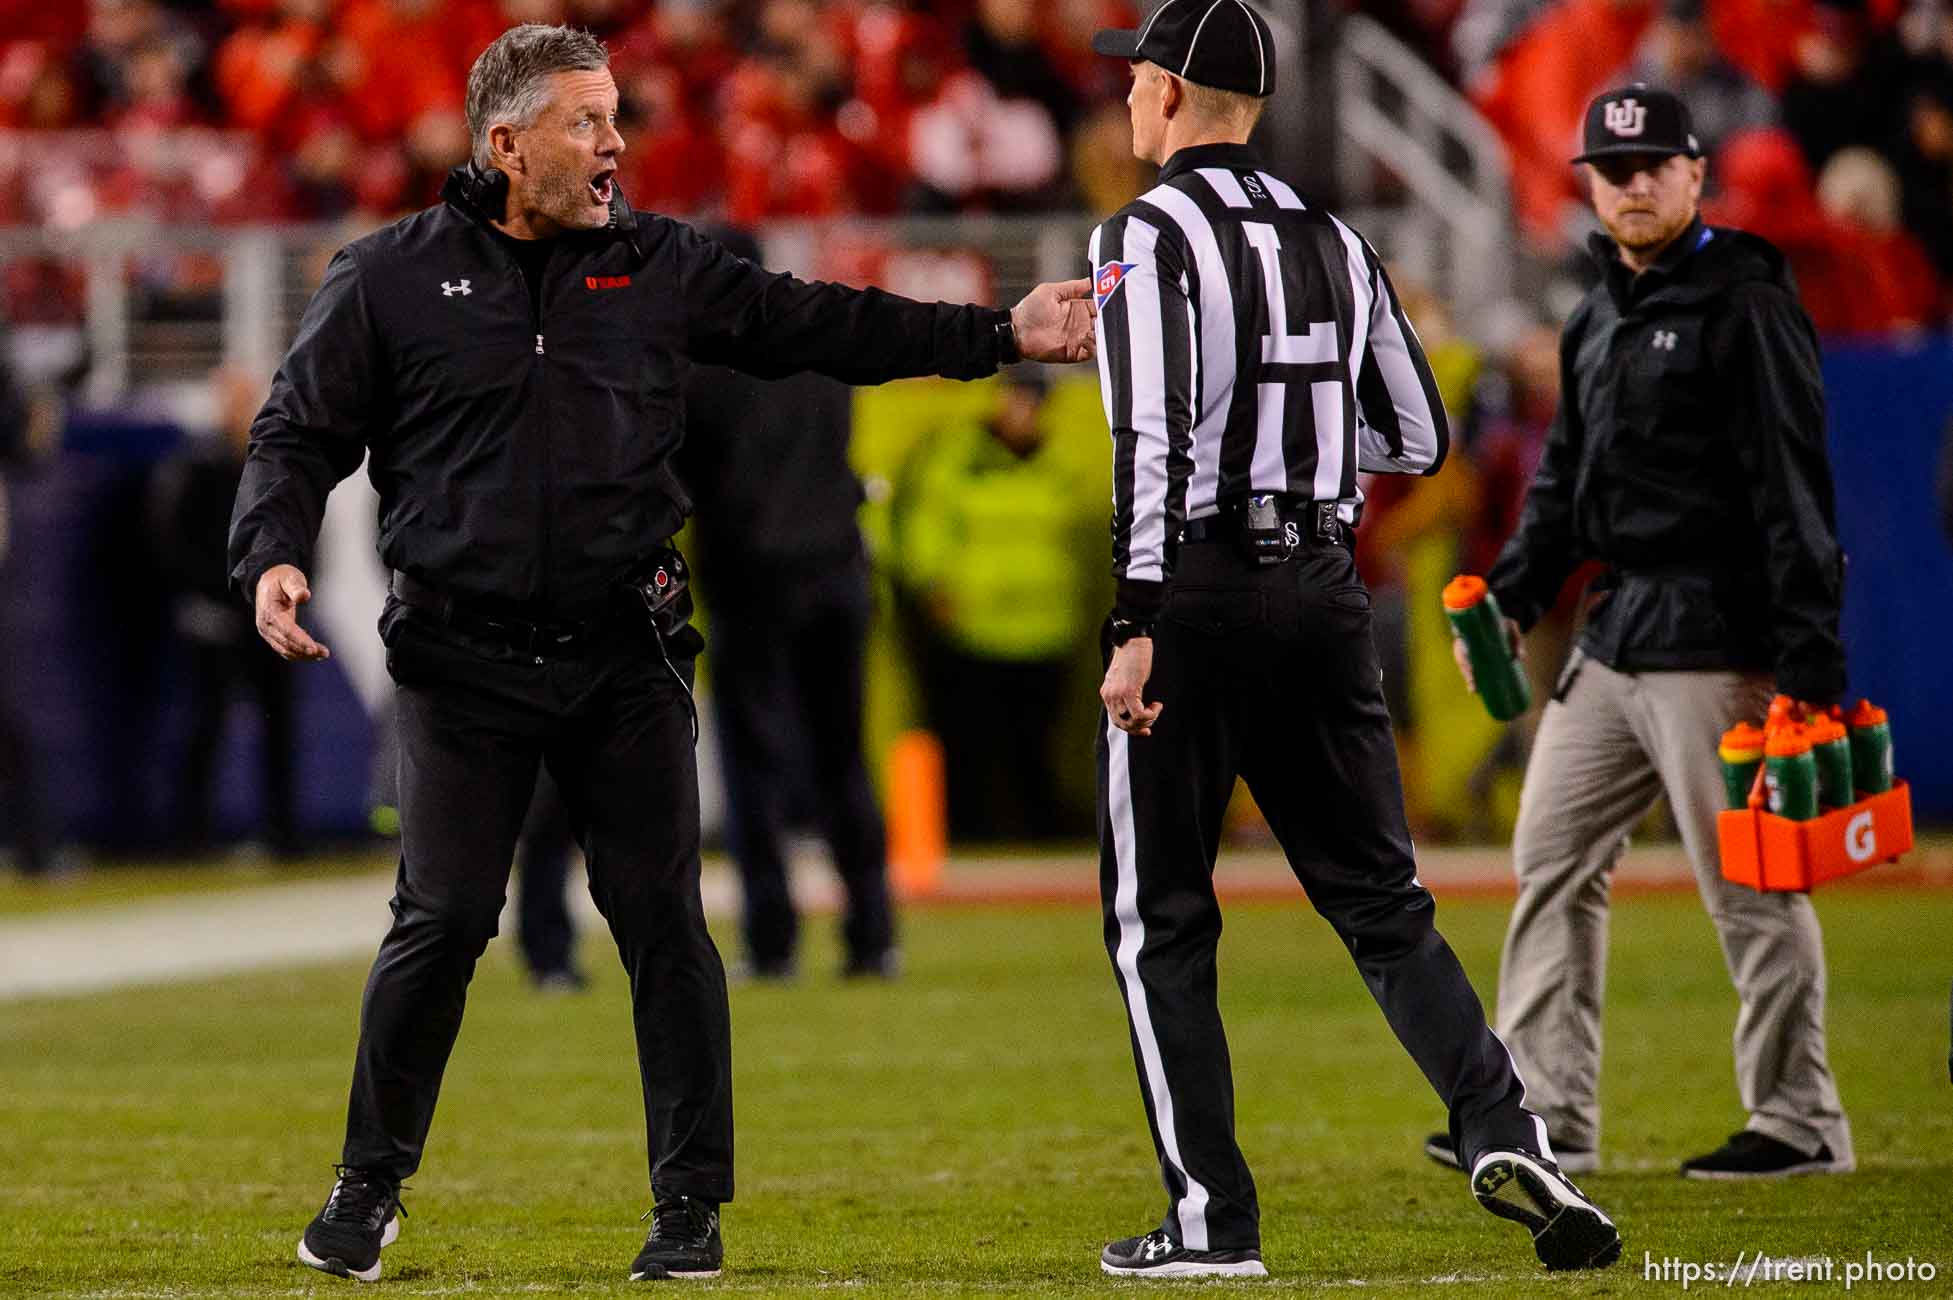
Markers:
point(766, 463)
point(521, 457)
point(1688, 457)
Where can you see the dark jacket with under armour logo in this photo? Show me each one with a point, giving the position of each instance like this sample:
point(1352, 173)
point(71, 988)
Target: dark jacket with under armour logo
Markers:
point(521, 454)
point(1688, 456)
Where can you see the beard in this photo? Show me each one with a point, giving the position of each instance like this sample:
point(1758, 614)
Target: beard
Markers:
point(1644, 232)
point(564, 197)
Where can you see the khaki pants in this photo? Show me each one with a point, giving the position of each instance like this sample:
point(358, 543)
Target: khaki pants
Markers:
point(1603, 753)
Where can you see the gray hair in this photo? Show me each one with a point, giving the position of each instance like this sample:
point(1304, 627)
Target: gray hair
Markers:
point(509, 82)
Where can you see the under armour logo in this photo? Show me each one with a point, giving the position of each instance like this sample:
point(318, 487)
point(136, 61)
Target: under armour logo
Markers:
point(1625, 117)
point(449, 288)
point(1665, 340)
point(1157, 1245)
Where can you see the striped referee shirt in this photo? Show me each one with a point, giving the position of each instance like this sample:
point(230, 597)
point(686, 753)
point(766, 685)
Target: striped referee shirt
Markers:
point(1249, 342)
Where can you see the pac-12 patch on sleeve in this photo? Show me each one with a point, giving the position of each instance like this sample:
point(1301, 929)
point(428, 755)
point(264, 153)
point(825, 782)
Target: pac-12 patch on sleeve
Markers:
point(1108, 278)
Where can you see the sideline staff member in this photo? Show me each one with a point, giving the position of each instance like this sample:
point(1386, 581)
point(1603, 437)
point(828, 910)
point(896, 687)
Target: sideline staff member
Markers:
point(1688, 456)
point(513, 358)
point(1253, 359)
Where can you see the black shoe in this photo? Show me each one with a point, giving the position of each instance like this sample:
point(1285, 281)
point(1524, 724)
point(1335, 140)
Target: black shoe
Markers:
point(1569, 1231)
point(566, 980)
point(1158, 1255)
point(684, 1241)
point(1571, 1160)
point(883, 965)
point(773, 970)
point(1750, 1154)
point(360, 1216)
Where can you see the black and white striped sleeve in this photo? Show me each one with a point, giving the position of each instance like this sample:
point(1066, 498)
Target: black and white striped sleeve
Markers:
point(1401, 428)
point(1146, 338)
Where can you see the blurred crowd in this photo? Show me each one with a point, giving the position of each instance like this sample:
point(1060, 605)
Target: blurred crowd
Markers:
point(1828, 125)
point(742, 109)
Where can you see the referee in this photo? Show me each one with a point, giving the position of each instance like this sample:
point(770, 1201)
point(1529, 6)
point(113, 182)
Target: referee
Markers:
point(1253, 360)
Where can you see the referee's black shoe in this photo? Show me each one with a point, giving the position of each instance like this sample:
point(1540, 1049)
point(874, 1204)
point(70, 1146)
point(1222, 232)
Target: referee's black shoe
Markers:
point(1158, 1255)
point(1569, 1231)
point(361, 1215)
point(684, 1241)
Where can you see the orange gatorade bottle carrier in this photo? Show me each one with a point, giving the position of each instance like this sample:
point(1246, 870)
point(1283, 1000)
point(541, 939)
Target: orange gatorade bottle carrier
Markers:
point(1789, 845)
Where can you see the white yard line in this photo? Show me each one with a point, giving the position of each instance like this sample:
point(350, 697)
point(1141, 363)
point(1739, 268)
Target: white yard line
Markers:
point(302, 923)
point(309, 922)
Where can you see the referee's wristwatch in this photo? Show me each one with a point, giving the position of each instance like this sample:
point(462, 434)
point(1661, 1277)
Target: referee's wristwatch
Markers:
point(1125, 629)
point(1008, 353)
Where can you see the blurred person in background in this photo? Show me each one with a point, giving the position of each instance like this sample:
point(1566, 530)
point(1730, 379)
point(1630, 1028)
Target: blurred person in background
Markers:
point(1849, 87)
point(987, 534)
point(27, 426)
point(511, 359)
point(1680, 52)
point(1861, 191)
point(1851, 279)
point(545, 934)
point(1926, 166)
point(189, 506)
point(785, 580)
point(1688, 456)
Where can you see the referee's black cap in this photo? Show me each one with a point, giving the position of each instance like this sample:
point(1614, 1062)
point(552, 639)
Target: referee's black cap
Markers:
point(1637, 119)
point(1220, 43)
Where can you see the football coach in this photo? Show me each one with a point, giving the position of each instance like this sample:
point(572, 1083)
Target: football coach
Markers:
point(511, 360)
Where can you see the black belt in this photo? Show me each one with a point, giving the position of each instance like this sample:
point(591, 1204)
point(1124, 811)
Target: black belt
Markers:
point(524, 636)
point(1315, 521)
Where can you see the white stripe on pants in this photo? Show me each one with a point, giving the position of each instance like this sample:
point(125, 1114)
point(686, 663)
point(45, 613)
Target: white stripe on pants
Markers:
point(1132, 934)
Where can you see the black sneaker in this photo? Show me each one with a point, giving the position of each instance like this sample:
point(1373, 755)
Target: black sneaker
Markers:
point(1571, 1160)
point(1750, 1154)
point(1158, 1255)
point(1569, 1231)
point(775, 970)
point(684, 1241)
point(883, 965)
point(361, 1215)
point(568, 979)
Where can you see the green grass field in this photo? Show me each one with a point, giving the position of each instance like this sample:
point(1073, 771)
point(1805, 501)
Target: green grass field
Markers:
point(974, 1128)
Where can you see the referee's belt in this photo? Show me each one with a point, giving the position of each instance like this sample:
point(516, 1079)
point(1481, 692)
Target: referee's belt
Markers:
point(524, 636)
point(1316, 522)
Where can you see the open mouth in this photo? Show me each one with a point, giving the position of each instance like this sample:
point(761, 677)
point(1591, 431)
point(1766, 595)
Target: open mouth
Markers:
point(601, 186)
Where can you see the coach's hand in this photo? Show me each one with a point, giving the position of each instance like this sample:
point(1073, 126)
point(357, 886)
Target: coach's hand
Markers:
point(1125, 684)
point(281, 590)
point(1054, 322)
point(1463, 657)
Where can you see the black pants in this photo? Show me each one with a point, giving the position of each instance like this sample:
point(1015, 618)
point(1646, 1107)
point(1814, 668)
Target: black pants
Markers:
point(218, 669)
point(1269, 673)
point(475, 719)
point(23, 808)
point(543, 929)
point(787, 663)
point(997, 757)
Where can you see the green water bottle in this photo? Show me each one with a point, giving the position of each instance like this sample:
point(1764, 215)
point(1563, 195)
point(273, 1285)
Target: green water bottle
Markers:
point(1741, 752)
point(1475, 617)
point(1790, 773)
point(1871, 748)
point(1831, 749)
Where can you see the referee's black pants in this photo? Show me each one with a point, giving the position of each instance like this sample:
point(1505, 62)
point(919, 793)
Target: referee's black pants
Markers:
point(475, 719)
point(1269, 673)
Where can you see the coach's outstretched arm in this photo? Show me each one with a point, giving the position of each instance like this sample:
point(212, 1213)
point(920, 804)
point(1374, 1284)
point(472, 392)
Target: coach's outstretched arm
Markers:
point(310, 434)
point(771, 324)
